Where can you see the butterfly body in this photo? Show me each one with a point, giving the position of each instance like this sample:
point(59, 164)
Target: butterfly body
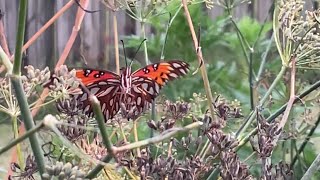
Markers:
point(130, 91)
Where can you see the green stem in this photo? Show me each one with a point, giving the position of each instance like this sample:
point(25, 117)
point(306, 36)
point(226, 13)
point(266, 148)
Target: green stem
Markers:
point(105, 137)
point(244, 140)
point(167, 30)
point(23, 5)
point(204, 148)
point(261, 103)
point(143, 31)
point(17, 84)
point(28, 122)
point(312, 169)
point(16, 135)
point(100, 119)
point(264, 58)
point(21, 138)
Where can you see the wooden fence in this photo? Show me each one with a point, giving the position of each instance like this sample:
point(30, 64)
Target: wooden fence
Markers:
point(94, 41)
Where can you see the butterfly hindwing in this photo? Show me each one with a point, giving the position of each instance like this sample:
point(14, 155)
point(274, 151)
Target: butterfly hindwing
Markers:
point(147, 82)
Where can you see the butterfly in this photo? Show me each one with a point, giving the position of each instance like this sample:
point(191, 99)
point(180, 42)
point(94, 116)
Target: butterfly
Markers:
point(130, 91)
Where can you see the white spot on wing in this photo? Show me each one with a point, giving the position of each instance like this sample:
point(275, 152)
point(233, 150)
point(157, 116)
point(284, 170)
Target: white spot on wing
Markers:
point(103, 83)
point(136, 90)
point(86, 109)
point(183, 71)
point(113, 80)
point(107, 113)
point(84, 97)
point(94, 90)
point(111, 102)
point(151, 91)
point(176, 65)
point(139, 101)
point(103, 107)
point(106, 92)
point(157, 88)
point(145, 86)
point(174, 75)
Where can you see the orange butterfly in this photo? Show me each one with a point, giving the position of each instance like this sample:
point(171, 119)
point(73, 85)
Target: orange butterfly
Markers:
point(132, 91)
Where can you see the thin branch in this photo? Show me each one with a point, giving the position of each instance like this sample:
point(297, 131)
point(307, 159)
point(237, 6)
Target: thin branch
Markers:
point(165, 135)
point(292, 95)
point(264, 58)
point(200, 58)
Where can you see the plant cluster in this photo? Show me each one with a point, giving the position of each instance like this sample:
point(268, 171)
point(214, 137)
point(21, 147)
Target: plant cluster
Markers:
point(194, 136)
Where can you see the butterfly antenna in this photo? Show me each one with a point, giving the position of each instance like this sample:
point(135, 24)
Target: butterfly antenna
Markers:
point(124, 52)
point(88, 11)
point(137, 50)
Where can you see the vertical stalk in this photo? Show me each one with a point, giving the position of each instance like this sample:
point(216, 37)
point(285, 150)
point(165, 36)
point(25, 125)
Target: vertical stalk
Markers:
point(116, 41)
point(146, 60)
point(16, 135)
point(135, 134)
point(17, 84)
point(143, 31)
point(20, 36)
point(203, 69)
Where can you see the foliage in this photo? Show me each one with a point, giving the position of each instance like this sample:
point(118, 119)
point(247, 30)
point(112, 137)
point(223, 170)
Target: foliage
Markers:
point(180, 139)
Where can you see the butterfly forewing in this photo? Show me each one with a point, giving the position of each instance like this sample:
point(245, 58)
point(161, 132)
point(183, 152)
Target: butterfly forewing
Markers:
point(89, 76)
point(105, 86)
point(163, 71)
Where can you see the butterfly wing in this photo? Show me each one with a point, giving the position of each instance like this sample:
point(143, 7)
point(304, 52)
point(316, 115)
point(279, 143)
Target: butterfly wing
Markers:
point(147, 82)
point(163, 71)
point(105, 86)
point(89, 76)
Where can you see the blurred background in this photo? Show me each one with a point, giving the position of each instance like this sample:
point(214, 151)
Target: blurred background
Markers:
point(95, 39)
